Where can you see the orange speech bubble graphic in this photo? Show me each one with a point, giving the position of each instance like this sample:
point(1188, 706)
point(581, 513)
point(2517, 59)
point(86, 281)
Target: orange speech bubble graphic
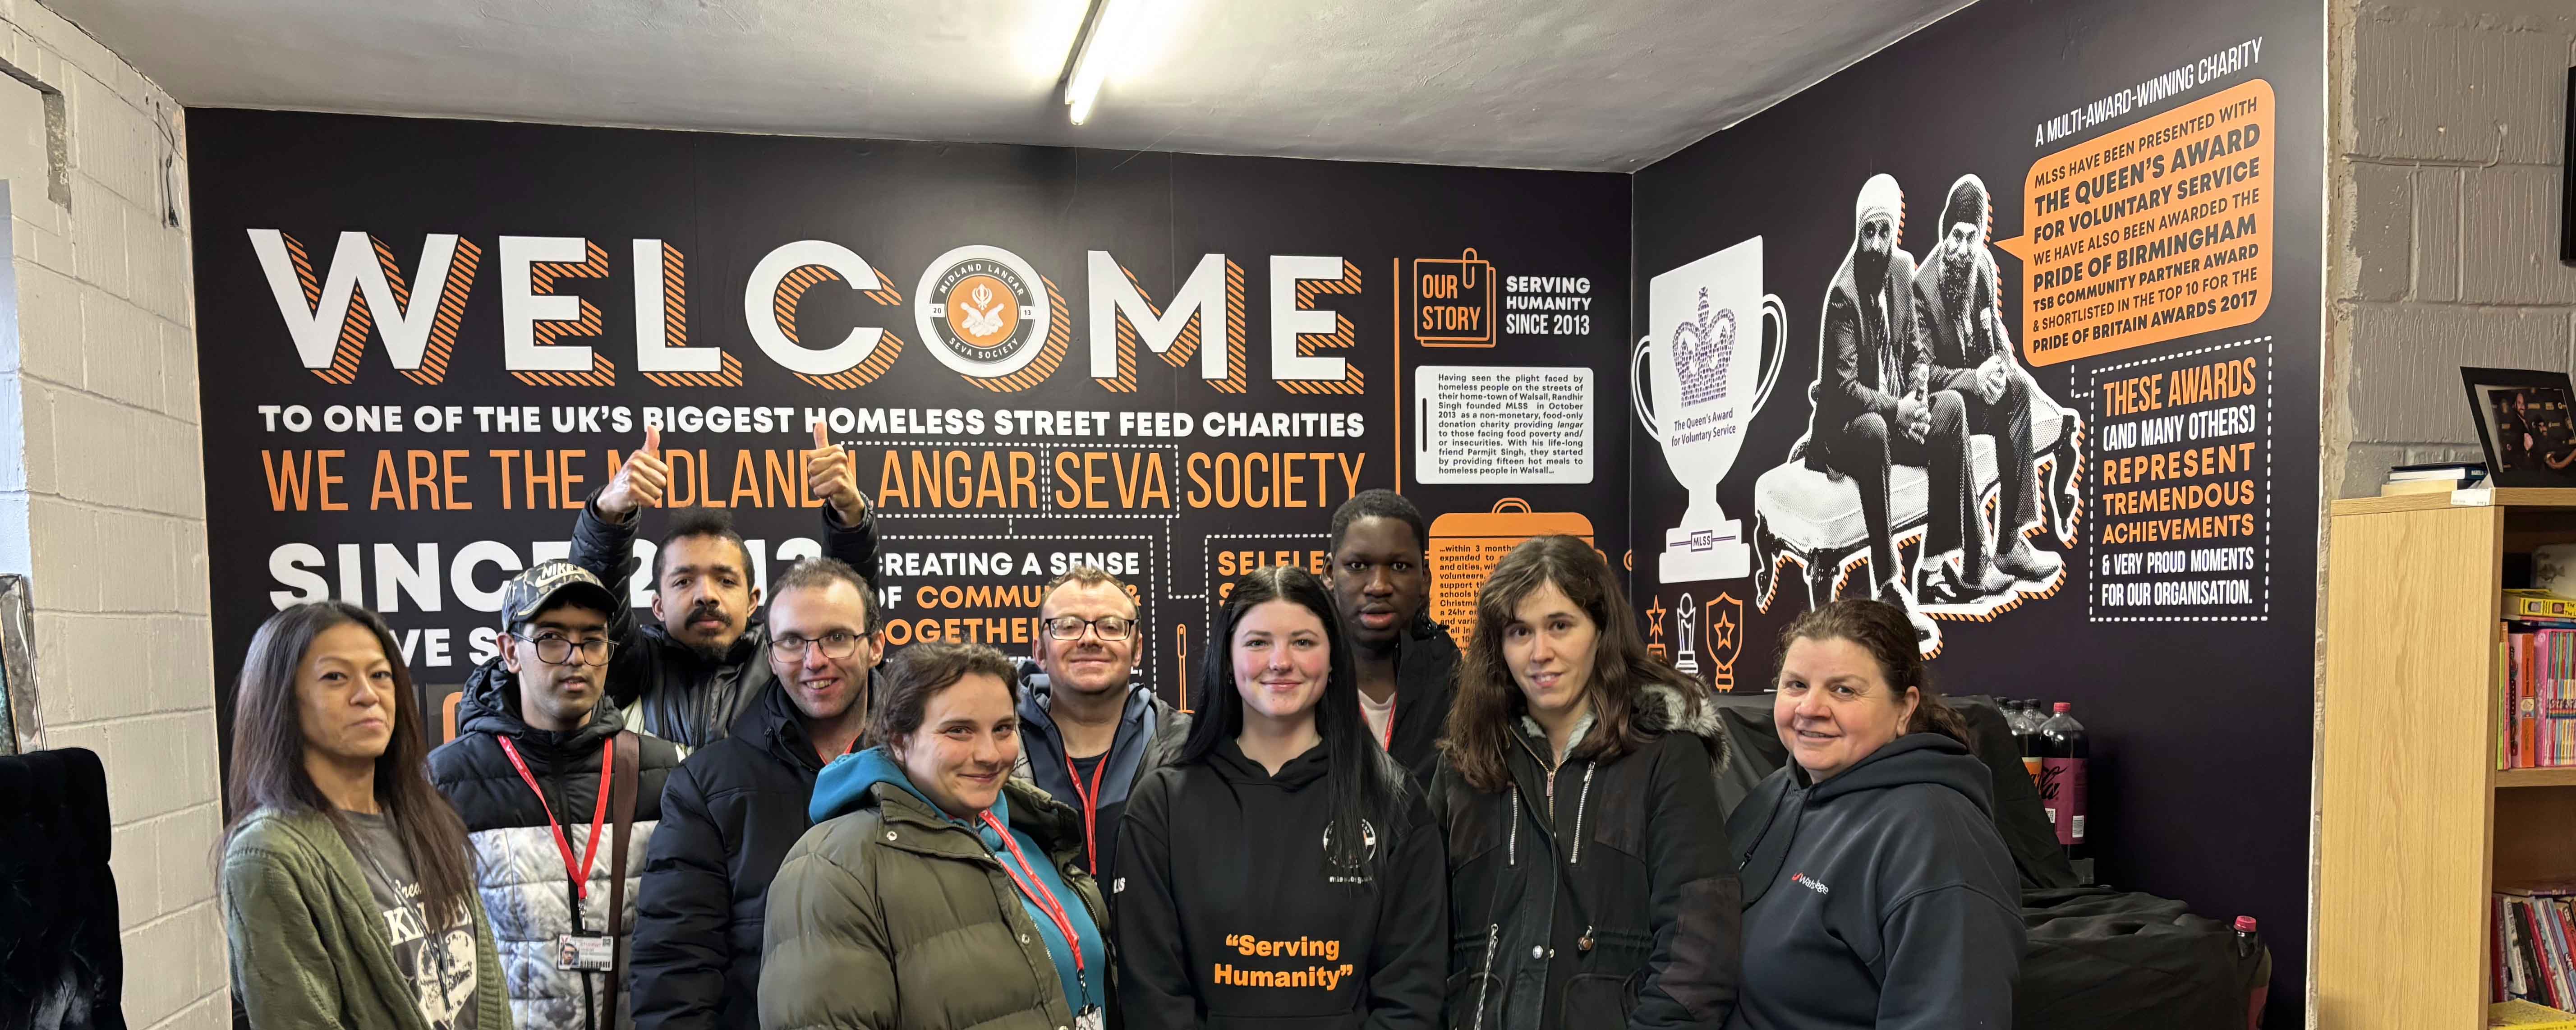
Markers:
point(2158, 231)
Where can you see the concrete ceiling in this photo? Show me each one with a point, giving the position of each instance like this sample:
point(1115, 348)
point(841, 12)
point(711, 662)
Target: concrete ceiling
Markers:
point(1604, 85)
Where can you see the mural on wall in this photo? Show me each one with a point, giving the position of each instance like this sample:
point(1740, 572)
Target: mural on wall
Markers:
point(425, 343)
point(2025, 340)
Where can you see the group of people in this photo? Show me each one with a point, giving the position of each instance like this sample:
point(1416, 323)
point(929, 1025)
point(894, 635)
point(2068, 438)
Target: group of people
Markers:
point(2532, 435)
point(1362, 824)
point(1914, 363)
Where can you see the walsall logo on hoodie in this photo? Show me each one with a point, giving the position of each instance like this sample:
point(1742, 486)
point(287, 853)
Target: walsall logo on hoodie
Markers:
point(1810, 883)
point(1349, 865)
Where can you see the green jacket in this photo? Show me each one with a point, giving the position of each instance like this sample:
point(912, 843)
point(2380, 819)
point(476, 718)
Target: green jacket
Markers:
point(308, 945)
point(893, 902)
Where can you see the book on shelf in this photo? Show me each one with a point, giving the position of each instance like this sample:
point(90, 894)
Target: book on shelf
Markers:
point(2524, 1015)
point(2535, 686)
point(2538, 605)
point(2438, 477)
point(2438, 470)
point(2532, 941)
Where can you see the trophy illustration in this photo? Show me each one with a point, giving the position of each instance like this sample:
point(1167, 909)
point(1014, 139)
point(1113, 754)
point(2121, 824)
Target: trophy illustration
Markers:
point(1685, 615)
point(1711, 379)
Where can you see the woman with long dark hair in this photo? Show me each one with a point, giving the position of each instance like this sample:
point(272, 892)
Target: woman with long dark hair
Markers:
point(1879, 893)
point(348, 898)
point(1284, 869)
point(1588, 876)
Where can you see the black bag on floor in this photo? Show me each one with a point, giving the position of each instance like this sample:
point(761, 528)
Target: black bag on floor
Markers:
point(2100, 959)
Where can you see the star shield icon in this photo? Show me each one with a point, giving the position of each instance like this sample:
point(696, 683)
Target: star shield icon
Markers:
point(1655, 612)
point(1725, 617)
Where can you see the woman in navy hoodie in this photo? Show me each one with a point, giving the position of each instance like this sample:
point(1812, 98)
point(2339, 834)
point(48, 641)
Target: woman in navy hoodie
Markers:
point(1876, 891)
point(1284, 873)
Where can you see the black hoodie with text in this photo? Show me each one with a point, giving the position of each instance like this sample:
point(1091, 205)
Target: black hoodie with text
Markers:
point(1879, 898)
point(1228, 914)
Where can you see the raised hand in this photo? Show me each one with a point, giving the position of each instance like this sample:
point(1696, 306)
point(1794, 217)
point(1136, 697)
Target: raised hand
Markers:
point(639, 482)
point(831, 474)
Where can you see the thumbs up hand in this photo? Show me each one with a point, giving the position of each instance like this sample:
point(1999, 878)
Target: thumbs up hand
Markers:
point(639, 482)
point(831, 473)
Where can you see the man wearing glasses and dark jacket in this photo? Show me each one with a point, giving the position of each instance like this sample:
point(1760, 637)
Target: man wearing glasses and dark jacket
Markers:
point(1087, 732)
point(735, 807)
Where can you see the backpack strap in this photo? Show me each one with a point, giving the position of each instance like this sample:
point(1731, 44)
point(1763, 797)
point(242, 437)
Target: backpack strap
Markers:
point(621, 801)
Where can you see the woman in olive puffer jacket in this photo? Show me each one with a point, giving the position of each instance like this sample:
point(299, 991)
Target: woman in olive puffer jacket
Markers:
point(934, 892)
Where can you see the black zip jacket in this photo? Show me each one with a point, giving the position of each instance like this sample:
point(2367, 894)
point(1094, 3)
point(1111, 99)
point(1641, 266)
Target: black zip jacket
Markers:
point(518, 870)
point(1426, 666)
point(1150, 734)
point(1598, 894)
point(728, 817)
point(1880, 898)
point(1226, 914)
point(688, 698)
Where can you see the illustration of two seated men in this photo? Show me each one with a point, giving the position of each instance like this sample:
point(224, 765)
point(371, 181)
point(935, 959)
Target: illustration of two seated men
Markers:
point(1921, 411)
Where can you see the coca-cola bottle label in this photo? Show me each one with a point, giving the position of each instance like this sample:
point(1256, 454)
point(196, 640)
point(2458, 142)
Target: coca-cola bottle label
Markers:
point(2061, 793)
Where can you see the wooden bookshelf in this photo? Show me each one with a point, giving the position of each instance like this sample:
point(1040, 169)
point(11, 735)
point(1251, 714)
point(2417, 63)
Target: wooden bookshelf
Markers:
point(2417, 828)
point(2562, 777)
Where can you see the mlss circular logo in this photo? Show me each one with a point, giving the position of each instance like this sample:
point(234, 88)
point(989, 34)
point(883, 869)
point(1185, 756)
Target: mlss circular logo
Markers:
point(985, 308)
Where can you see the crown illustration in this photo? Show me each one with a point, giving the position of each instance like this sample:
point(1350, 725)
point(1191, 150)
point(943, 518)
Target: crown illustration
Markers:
point(1703, 353)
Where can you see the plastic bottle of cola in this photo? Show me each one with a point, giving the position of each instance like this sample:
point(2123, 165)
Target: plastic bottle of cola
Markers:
point(2249, 942)
point(2062, 754)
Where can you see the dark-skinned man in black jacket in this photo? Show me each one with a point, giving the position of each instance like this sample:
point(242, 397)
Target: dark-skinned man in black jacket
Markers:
point(1381, 582)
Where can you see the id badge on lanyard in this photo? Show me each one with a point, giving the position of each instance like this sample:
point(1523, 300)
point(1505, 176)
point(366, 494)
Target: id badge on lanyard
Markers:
point(585, 953)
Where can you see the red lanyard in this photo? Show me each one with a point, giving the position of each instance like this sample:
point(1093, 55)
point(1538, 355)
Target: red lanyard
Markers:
point(1090, 806)
point(580, 873)
point(1037, 891)
point(1389, 742)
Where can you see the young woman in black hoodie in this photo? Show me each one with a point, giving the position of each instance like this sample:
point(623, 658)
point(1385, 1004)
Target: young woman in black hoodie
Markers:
point(1877, 893)
point(1588, 876)
point(1283, 873)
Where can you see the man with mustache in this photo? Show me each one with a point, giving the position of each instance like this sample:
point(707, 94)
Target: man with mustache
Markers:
point(528, 771)
point(1381, 579)
point(694, 671)
point(1871, 408)
point(1087, 733)
point(1959, 321)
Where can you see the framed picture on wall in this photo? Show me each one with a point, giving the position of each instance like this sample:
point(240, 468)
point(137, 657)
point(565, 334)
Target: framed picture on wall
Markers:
point(2567, 179)
point(2525, 423)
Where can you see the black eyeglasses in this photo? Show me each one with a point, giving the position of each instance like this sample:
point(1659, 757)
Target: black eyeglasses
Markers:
point(1110, 627)
point(839, 643)
point(554, 650)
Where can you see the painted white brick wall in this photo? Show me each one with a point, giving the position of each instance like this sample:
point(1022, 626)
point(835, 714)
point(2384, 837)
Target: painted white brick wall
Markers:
point(2447, 126)
point(115, 544)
